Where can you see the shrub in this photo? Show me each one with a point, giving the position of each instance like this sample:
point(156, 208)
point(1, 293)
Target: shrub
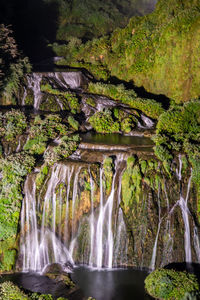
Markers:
point(9, 291)
point(170, 284)
point(13, 65)
point(14, 168)
point(103, 122)
point(67, 145)
point(12, 123)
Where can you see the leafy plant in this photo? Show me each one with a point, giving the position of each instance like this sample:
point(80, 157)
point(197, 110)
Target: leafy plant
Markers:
point(170, 284)
point(103, 122)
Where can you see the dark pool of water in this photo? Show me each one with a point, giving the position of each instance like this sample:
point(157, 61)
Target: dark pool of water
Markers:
point(116, 139)
point(117, 284)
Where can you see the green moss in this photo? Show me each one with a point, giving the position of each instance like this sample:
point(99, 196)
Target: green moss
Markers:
point(41, 176)
point(10, 291)
point(158, 51)
point(69, 98)
point(73, 123)
point(67, 145)
point(170, 284)
point(143, 165)
point(108, 173)
point(131, 184)
point(118, 92)
point(12, 123)
point(103, 122)
point(91, 102)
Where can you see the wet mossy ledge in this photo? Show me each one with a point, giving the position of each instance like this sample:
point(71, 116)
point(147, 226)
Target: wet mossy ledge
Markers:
point(158, 51)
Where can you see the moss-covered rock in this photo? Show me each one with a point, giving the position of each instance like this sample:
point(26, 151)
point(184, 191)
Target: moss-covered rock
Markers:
point(170, 284)
point(159, 52)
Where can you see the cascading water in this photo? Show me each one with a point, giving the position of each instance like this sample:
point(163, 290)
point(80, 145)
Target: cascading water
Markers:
point(75, 217)
point(51, 230)
point(34, 81)
point(39, 244)
point(62, 80)
point(153, 259)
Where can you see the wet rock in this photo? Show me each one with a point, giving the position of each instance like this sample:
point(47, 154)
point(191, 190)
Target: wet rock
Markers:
point(59, 273)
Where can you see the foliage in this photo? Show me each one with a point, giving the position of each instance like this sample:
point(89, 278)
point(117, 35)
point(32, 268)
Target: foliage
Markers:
point(178, 129)
point(67, 145)
point(71, 98)
point(151, 108)
point(103, 122)
point(73, 123)
point(14, 168)
point(12, 66)
point(108, 173)
point(90, 102)
point(10, 291)
point(170, 284)
point(131, 183)
point(12, 123)
point(93, 19)
point(158, 51)
point(43, 130)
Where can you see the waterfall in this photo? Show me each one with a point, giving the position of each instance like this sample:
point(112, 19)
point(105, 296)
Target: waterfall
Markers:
point(50, 226)
point(92, 227)
point(75, 187)
point(185, 213)
point(153, 258)
point(70, 80)
point(40, 245)
point(34, 81)
point(147, 121)
point(183, 204)
point(196, 243)
point(99, 235)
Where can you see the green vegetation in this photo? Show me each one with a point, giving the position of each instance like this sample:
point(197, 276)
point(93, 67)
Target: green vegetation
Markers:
point(103, 122)
point(131, 184)
point(43, 130)
point(70, 99)
point(177, 130)
point(12, 123)
point(67, 145)
point(108, 173)
point(151, 108)
point(73, 123)
point(12, 66)
point(170, 284)
point(91, 102)
point(15, 167)
point(9, 291)
point(158, 51)
point(93, 19)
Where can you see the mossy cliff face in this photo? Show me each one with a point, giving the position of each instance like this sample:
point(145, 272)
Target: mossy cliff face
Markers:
point(158, 52)
point(150, 202)
point(144, 192)
point(23, 141)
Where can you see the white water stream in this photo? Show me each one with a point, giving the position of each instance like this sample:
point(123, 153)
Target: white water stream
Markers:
point(49, 229)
